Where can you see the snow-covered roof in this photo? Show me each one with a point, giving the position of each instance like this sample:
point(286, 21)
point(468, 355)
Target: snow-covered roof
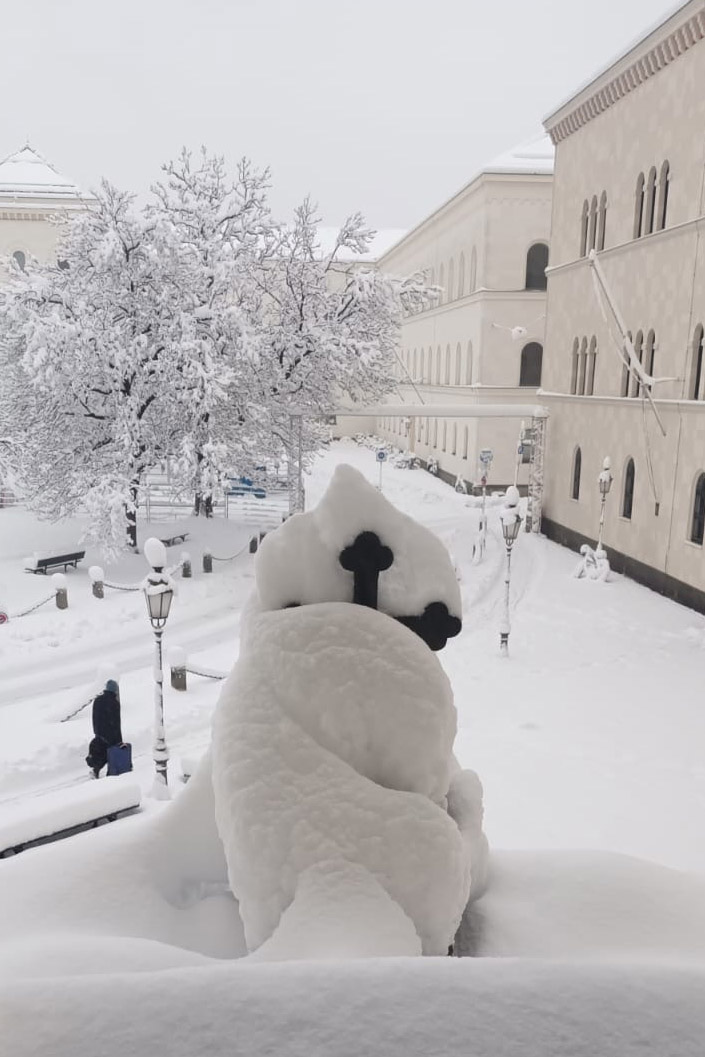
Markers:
point(535, 155)
point(26, 174)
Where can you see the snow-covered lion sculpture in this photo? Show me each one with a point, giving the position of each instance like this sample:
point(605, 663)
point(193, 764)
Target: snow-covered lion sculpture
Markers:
point(347, 824)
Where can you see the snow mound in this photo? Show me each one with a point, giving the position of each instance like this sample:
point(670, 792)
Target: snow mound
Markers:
point(299, 562)
point(332, 742)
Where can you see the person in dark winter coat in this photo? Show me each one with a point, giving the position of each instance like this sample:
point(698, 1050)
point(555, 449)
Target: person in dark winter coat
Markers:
point(106, 726)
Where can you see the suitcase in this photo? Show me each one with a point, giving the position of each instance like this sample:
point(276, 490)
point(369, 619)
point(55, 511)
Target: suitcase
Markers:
point(119, 759)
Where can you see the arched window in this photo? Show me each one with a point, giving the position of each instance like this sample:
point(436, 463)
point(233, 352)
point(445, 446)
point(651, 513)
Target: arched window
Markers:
point(575, 481)
point(458, 363)
point(650, 201)
point(697, 524)
point(466, 437)
point(625, 369)
point(582, 367)
point(427, 430)
point(530, 370)
point(442, 283)
point(650, 354)
point(473, 270)
point(20, 259)
point(454, 439)
point(536, 264)
point(445, 434)
point(663, 196)
point(601, 221)
point(461, 276)
point(446, 375)
point(592, 225)
point(584, 228)
point(628, 490)
point(574, 367)
point(451, 280)
point(639, 206)
point(639, 350)
point(438, 365)
point(696, 365)
point(418, 430)
point(435, 432)
point(591, 364)
point(468, 365)
point(414, 373)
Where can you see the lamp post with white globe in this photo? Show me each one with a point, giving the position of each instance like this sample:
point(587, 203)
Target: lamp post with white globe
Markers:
point(158, 592)
point(604, 482)
point(511, 523)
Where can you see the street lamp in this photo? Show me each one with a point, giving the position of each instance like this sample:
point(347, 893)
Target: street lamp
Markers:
point(158, 592)
point(604, 482)
point(486, 456)
point(511, 523)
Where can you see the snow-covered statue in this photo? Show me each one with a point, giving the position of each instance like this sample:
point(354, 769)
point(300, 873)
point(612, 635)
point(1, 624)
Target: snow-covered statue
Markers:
point(348, 826)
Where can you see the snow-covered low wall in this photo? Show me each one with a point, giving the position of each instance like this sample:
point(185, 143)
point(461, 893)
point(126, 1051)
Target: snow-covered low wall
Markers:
point(44, 816)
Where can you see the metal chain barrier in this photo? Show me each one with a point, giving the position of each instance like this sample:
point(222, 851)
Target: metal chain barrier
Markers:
point(24, 612)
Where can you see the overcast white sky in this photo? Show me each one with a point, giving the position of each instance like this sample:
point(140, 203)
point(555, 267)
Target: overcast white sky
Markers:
point(387, 106)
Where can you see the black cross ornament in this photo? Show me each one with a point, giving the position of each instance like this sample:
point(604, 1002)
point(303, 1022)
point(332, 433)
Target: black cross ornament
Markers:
point(366, 558)
point(435, 626)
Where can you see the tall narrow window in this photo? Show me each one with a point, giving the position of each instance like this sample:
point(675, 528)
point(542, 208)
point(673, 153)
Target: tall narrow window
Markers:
point(530, 369)
point(584, 228)
point(663, 196)
point(445, 434)
point(466, 434)
point(639, 350)
point(451, 280)
point(473, 270)
point(574, 367)
point(458, 363)
point(575, 482)
point(446, 376)
point(442, 283)
point(435, 433)
point(427, 430)
point(468, 365)
point(591, 364)
point(20, 259)
point(639, 206)
point(438, 365)
point(650, 355)
point(602, 221)
point(429, 373)
point(536, 264)
point(650, 202)
point(628, 491)
point(454, 439)
point(582, 367)
point(697, 524)
point(625, 369)
point(592, 225)
point(461, 276)
point(696, 365)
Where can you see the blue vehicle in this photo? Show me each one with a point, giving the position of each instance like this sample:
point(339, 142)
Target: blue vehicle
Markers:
point(242, 486)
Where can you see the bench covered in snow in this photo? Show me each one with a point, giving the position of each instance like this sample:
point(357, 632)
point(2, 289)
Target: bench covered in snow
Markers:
point(61, 813)
point(42, 563)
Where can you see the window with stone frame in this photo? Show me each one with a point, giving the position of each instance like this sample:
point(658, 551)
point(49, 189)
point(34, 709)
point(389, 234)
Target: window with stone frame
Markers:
point(697, 522)
point(628, 490)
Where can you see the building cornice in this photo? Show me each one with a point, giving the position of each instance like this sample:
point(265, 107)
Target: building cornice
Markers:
point(677, 35)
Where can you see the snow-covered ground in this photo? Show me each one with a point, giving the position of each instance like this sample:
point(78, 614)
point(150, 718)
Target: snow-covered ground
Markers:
point(587, 738)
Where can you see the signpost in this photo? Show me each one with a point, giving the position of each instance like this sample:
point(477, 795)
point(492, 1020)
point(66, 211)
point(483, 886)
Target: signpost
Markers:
point(381, 459)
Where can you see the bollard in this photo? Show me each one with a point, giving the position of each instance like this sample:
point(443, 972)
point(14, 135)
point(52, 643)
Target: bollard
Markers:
point(207, 562)
point(254, 544)
point(186, 565)
point(62, 597)
point(177, 661)
point(97, 581)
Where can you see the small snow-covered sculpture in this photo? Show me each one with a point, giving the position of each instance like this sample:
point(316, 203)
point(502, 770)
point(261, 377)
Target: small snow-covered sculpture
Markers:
point(348, 827)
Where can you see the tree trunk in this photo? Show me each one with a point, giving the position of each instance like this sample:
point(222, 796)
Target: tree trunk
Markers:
point(131, 517)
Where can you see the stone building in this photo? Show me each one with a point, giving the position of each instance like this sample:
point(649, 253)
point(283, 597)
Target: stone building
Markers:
point(630, 183)
point(482, 340)
point(33, 199)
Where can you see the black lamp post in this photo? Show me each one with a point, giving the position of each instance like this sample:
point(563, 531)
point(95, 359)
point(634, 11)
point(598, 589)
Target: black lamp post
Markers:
point(158, 592)
point(511, 523)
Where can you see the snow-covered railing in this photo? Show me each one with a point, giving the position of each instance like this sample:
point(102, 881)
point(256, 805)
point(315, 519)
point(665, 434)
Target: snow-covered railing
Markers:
point(59, 595)
point(99, 583)
point(180, 666)
point(66, 811)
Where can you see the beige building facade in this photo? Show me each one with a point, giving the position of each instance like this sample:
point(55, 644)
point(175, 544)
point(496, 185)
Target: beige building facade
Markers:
point(34, 197)
point(481, 341)
point(630, 184)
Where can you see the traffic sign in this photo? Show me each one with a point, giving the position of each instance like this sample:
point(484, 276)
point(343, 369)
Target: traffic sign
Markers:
point(381, 455)
point(4, 617)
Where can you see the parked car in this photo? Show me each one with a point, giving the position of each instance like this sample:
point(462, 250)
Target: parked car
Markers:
point(241, 486)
